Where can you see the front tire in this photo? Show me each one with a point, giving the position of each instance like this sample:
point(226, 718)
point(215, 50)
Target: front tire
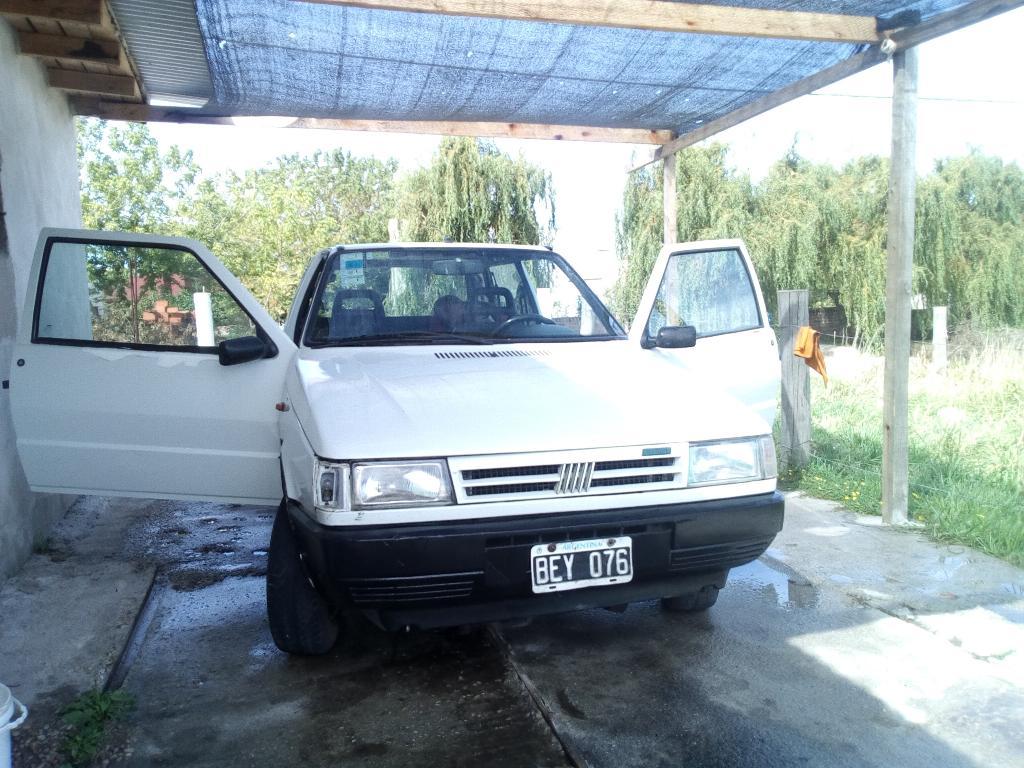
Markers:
point(301, 621)
point(693, 602)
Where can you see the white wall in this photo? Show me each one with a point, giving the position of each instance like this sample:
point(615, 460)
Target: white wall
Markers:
point(39, 187)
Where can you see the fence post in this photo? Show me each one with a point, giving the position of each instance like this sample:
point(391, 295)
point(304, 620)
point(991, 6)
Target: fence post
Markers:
point(795, 440)
point(939, 336)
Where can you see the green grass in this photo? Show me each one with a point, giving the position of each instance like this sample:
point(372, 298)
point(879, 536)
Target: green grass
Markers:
point(966, 442)
point(89, 716)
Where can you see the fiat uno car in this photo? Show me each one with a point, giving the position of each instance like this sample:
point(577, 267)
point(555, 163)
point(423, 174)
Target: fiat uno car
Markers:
point(451, 434)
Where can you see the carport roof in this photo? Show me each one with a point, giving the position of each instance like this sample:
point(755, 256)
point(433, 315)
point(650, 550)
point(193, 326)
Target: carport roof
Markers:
point(490, 67)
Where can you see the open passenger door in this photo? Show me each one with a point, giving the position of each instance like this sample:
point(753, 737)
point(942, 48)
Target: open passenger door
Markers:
point(711, 287)
point(144, 368)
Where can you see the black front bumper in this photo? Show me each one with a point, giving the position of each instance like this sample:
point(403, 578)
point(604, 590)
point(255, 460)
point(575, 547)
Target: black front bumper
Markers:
point(443, 574)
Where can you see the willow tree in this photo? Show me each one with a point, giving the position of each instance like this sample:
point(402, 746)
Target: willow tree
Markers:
point(970, 246)
point(711, 201)
point(813, 226)
point(472, 192)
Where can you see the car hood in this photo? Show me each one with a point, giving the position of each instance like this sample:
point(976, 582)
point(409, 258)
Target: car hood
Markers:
point(399, 402)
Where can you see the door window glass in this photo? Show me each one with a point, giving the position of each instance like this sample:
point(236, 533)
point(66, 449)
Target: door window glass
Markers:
point(130, 294)
point(710, 290)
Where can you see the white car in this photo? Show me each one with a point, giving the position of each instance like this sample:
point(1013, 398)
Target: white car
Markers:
point(452, 433)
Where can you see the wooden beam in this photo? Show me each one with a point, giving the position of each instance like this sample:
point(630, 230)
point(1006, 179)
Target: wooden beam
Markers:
point(493, 130)
point(90, 82)
point(110, 110)
point(91, 106)
point(898, 277)
point(937, 26)
point(795, 411)
point(668, 201)
point(850, 66)
point(73, 49)
point(92, 12)
point(650, 14)
point(944, 23)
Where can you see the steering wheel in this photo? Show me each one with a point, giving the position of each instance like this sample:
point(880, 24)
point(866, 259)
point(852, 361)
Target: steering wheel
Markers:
point(538, 319)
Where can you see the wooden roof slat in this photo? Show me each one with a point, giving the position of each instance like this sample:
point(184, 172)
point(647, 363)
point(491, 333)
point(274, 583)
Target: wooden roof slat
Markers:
point(93, 12)
point(77, 49)
point(657, 15)
point(89, 82)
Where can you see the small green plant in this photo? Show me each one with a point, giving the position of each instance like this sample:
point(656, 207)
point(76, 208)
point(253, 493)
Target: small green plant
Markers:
point(88, 716)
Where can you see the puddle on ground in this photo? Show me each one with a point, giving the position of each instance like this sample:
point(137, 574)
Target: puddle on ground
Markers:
point(827, 531)
point(788, 590)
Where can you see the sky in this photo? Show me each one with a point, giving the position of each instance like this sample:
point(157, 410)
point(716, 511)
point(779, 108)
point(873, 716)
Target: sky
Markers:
point(971, 95)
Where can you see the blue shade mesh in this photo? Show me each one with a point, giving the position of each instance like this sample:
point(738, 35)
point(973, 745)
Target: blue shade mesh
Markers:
point(280, 57)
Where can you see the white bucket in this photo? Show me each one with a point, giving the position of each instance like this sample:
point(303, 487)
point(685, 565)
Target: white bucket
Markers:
point(8, 706)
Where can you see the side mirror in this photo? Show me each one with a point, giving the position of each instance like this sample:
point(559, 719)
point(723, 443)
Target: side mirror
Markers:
point(241, 350)
point(676, 337)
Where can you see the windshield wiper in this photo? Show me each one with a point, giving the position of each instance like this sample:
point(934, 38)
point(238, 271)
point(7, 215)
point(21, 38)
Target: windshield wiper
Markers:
point(421, 337)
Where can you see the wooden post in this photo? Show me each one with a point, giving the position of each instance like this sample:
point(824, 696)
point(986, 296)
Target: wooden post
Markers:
point(668, 195)
point(795, 448)
point(899, 266)
point(670, 234)
point(939, 336)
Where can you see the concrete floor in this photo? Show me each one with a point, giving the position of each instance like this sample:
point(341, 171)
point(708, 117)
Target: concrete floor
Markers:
point(847, 644)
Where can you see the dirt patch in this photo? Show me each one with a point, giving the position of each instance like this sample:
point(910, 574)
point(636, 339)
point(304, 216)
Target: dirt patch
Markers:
point(189, 580)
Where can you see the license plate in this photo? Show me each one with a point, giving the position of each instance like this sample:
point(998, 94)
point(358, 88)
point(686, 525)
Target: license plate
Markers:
point(576, 564)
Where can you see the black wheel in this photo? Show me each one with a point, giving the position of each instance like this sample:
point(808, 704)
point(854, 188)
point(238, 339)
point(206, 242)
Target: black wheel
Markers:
point(691, 603)
point(301, 621)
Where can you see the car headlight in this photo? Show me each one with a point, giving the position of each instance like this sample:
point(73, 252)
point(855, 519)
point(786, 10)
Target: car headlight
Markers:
point(400, 484)
point(732, 461)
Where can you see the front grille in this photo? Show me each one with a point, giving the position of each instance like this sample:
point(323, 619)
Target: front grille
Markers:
point(715, 556)
point(569, 473)
point(486, 474)
point(412, 589)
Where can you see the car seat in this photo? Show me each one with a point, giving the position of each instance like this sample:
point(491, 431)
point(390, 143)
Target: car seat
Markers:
point(356, 312)
point(492, 304)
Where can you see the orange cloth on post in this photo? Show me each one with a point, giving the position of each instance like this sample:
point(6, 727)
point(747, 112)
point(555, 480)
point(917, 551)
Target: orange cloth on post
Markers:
point(809, 349)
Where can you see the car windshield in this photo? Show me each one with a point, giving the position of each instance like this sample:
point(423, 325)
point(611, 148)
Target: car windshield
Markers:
point(452, 296)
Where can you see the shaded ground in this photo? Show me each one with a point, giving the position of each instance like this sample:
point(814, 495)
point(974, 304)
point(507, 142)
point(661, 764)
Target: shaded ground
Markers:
point(846, 645)
point(211, 689)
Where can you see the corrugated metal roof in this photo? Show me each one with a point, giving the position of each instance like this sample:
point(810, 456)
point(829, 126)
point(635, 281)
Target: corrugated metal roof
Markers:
point(164, 41)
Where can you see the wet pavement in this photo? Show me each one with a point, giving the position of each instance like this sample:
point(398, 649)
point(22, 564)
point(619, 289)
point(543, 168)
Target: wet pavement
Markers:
point(846, 645)
point(779, 673)
point(211, 689)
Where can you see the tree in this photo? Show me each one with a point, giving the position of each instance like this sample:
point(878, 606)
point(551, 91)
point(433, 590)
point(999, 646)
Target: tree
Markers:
point(266, 224)
point(471, 192)
point(127, 183)
point(814, 226)
point(711, 201)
